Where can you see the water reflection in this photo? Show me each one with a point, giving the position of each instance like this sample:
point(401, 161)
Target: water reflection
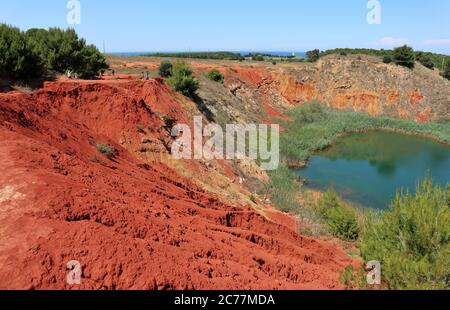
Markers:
point(369, 168)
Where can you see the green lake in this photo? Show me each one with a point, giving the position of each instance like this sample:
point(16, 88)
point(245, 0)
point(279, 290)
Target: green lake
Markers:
point(369, 168)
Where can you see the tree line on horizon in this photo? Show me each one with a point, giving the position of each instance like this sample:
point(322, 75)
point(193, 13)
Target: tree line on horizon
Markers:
point(403, 56)
point(226, 55)
point(201, 55)
point(43, 53)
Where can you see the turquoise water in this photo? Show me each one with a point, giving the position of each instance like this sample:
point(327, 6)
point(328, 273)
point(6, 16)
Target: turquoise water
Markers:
point(369, 168)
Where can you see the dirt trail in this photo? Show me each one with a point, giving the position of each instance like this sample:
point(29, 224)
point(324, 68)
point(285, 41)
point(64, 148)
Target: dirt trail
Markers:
point(132, 226)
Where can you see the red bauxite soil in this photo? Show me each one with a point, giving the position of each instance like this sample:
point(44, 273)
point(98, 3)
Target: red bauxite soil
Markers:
point(130, 227)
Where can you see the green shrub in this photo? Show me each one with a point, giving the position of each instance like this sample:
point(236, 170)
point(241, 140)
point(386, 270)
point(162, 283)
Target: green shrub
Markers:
point(63, 50)
point(387, 59)
point(257, 57)
point(107, 150)
point(165, 69)
point(341, 219)
point(283, 190)
point(446, 73)
point(404, 56)
point(216, 76)
point(18, 61)
point(354, 279)
point(412, 239)
point(92, 62)
point(448, 196)
point(182, 79)
point(427, 62)
point(313, 55)
point(40, 52)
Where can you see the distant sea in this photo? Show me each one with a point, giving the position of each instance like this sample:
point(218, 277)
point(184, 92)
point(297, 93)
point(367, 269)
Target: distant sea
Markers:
point(281, 54)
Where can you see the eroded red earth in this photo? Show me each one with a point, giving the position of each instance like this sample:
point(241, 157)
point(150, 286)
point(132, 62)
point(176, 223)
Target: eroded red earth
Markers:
point(130, 225)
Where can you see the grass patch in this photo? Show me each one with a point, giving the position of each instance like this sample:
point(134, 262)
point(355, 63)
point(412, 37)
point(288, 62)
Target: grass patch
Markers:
point(283, 189)
point(215, 76)
point(342, 220)
point(354, 279)
point(107, 150)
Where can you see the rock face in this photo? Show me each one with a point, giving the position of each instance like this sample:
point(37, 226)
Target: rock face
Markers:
point(132, 222)
point(381, 89)
point(362, 84)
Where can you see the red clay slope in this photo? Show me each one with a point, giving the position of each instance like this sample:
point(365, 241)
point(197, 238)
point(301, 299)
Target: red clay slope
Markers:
point(130, 227)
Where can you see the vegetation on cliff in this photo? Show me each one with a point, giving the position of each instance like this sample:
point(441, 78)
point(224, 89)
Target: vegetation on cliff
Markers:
point(341, 218)
point(165, 69)
point(283, 189)
point(182, 79)
point(404, 56)
point(313, 55)
point(216, 76)
point(446, 73)
point(428, 59)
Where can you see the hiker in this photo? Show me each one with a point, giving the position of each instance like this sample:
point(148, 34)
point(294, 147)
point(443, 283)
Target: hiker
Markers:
point(113, 72)
point(69, 74)
point(147, 75)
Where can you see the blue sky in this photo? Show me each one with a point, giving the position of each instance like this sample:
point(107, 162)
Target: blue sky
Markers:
point(264, 25)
